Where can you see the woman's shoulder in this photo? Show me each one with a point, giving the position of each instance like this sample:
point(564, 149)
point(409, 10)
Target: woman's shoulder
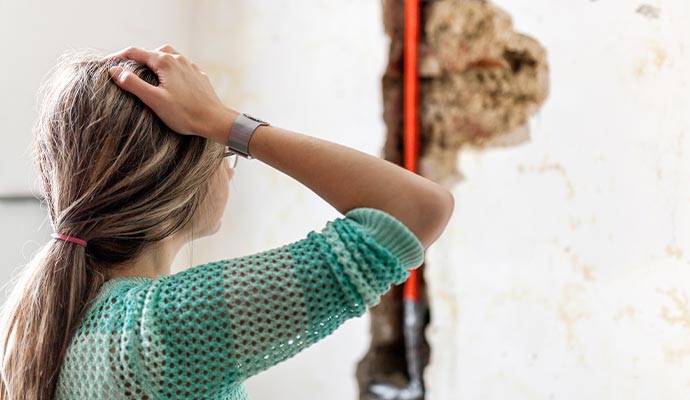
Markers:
point(113, 295)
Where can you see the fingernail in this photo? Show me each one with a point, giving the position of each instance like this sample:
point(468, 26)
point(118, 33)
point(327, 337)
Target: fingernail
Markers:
point(115, 72)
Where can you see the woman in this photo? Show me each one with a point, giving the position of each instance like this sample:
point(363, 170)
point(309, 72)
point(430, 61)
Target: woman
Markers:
point(131, 161)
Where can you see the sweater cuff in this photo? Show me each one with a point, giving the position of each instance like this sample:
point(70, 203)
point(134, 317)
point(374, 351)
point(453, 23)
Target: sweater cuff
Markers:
point(390, 233)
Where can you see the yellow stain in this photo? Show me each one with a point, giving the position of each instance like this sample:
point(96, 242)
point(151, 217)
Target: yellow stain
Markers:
point(570, 311)
point(680, 312)
point(546, 167)
point(655, 58)
point(674, 251)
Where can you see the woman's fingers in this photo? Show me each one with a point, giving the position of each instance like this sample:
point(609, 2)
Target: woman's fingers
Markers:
point(184, 98)
point(166, 48)
point(138, 54)
point(135, 85)
point(130, 81)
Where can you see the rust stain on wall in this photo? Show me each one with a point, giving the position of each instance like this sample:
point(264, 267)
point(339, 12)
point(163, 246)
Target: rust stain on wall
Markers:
point(587, 271)
point(655, 58)
point(677, 314)
point(570, 311)
point(680, 312)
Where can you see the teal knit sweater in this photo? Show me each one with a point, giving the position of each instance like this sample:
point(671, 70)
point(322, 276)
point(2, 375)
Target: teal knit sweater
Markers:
point(200, 333)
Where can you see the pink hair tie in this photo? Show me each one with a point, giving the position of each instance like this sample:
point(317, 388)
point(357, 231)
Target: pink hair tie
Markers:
point(69, 239)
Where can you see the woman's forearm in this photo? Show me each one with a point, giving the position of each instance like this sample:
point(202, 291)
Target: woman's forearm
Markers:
point(344, 177)
point(347, 178)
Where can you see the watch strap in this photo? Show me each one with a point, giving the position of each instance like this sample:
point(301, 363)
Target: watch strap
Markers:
point(241, 132)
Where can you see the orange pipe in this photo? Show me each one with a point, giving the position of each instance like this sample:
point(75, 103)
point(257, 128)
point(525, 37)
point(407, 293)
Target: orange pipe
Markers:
point(411, 115)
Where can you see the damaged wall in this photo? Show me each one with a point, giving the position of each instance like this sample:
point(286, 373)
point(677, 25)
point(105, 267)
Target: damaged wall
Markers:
point(480, 81)
point(565, 271)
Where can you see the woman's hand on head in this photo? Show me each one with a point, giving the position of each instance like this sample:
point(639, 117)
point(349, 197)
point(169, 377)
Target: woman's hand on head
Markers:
point(184, 98)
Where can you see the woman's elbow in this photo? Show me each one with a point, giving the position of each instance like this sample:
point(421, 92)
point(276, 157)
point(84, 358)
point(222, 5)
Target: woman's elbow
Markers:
point(434, 217)
point(448, 206)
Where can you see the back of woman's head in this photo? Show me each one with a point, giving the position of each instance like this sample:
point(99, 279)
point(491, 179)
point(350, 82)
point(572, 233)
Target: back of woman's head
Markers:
point(111, 173)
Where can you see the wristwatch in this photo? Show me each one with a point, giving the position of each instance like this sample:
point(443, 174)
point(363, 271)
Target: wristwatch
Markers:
point(241, 132)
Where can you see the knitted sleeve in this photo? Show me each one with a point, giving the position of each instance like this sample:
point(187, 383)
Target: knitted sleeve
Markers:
point(213, 326)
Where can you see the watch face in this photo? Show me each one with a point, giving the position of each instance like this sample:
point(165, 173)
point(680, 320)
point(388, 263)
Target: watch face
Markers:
point(254, 118)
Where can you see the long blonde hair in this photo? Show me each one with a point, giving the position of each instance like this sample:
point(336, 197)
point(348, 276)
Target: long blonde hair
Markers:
point(113, 174)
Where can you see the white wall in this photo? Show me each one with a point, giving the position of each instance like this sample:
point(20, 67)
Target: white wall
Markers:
point(564, 273)
point(36, 32)
point(313, 67)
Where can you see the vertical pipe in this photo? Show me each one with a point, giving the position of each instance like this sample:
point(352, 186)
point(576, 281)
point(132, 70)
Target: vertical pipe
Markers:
point(411, 115)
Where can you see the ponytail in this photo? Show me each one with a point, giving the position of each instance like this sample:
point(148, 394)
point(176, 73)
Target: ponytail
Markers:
point(112, 171)
point(39, 318)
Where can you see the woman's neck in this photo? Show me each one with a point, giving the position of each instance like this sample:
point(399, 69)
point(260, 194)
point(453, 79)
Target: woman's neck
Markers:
point(153, 261)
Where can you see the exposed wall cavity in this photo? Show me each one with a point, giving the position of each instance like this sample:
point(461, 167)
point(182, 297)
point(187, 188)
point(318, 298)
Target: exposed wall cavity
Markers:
point(479, 83)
